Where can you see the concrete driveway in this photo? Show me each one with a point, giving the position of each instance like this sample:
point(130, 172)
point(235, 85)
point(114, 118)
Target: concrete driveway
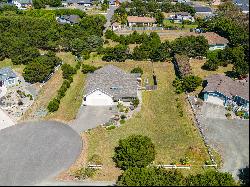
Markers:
point(229, 137)
point(5, 120)
point(34, 151)
point(90, 117)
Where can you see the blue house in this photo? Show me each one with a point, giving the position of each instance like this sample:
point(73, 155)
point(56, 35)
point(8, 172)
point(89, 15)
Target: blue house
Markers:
point(222, 90)
point(8, 77)
point(243, 5)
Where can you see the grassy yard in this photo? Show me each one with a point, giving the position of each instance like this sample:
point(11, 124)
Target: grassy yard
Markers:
point(174, 136)
point(197, 70)
point(71, 102)
point(49, 91)
point(168, 23)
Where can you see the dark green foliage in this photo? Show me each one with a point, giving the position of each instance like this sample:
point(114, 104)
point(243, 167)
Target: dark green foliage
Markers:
point(135, 102)
point(211, 178)
point(187, 83)
point(150, 177)
point(134, 151)
point(53, 105)
point(118, 53)
point(244, 176)
point(88, 68)
point(41, 3)
point(68, 71)
point(137, 70)
point(191, 46)
point(40, 68)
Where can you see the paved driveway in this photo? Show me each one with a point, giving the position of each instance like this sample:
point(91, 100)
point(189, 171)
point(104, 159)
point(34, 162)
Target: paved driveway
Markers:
point(91, 116)
point(229, 137)
point(34, 151)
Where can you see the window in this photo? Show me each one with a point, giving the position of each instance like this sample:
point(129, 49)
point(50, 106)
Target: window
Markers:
point(114, 88)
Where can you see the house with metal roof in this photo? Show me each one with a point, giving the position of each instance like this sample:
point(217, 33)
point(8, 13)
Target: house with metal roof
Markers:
point(203, 10)
point(140, 21)
point(108, 85)
point(8, 77)
point(222, 90)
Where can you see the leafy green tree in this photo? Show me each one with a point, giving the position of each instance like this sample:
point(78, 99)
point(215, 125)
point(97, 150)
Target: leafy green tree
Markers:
point(88, 68)
point(187, 83)
point(68, 71)
point(159, 17)
point(53, 105)
point(211, 178)
point(134, 151)
point(38, 4)
point(150, 176)
point(137, 70)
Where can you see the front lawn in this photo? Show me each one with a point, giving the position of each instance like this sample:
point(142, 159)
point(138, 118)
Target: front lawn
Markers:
point(175, 137)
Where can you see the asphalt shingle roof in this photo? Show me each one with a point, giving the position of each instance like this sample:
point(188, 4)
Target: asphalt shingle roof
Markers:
point(6, 73)
point(202, 9)
point(227, 86)
point(112, 81)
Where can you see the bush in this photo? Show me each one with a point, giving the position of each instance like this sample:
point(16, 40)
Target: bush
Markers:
point(135, 102)
point(53, 105)
point(110, 127)
point(68, 71)
point(122, 121)
point(95, 159)
point(123, 116)
point(211, 178)
point(150, 176)
point(88, 68)
point(188, 83)
point(137, 70)
point(134, 151)
point(184, 161)
point(240, 113)
point(84, 173)
point(228, 115)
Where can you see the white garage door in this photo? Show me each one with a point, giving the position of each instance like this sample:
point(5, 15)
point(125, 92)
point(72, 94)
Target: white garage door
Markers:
point(215, 100)
point(99, 98)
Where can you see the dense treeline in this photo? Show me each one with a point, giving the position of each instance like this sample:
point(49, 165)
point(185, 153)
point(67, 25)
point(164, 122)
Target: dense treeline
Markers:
point(24, 32)
point(41, 3)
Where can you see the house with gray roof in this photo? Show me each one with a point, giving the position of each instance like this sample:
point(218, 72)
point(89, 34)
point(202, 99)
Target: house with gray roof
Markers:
point(203, 10)
point(108, 85)
point(8, 77)
point(21, 4)
point(222, 90)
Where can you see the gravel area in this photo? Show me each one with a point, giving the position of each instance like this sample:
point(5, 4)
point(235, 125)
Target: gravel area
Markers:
point(229, 137)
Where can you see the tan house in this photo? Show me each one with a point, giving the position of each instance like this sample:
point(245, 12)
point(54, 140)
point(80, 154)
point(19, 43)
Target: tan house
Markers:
point(215, 41)
point(140, 21)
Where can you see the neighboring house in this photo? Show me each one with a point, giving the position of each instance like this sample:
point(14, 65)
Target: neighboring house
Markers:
point(215, 41)
point(108, 85)
point(8, 77)
point(140, 21)
point(222, 90)
point(203, 10)
point(70, 19)
point(179, 17)
point(116, 26)
point(86, 3)
point(243, 5)
point(21, 4)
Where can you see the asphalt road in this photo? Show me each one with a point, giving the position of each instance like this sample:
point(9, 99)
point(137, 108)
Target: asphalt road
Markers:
point(109, 15)
point(34, 151)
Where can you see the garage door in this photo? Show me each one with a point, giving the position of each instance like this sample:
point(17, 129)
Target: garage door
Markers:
point(99, 98)
point(215, 100)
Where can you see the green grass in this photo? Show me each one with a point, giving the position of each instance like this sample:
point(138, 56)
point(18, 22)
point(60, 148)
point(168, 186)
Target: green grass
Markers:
point(174, 137)
point(71, 102)
point(167, 23)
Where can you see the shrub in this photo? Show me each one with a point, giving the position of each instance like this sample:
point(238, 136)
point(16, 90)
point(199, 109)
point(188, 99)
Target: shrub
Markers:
point(150, 176)
point(184, 161)
point(135, 102)
point(53, 105)
point(84, 173)
point(240, 113)
point(134, 151)
point(137, 70)
point(110, 127)
point(95, 159)
point(122, 121)
point(228, 115)
point(88, 68)
point(123, 116)
point(68, 71)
